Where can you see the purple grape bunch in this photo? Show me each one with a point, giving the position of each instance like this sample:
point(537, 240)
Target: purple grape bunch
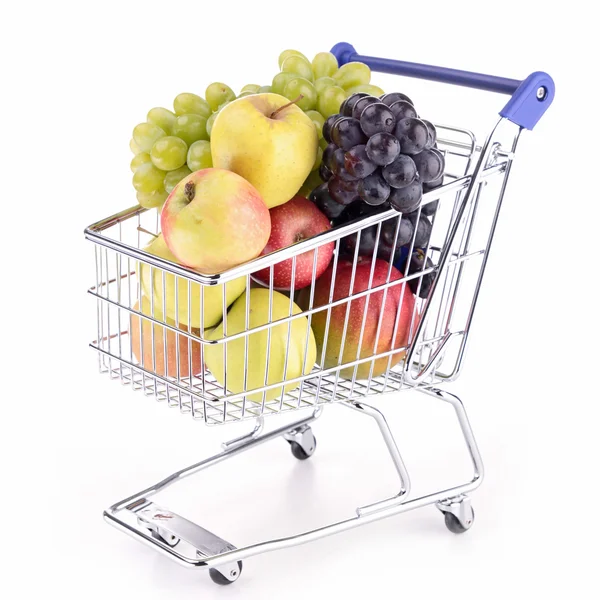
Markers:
point(380, 154)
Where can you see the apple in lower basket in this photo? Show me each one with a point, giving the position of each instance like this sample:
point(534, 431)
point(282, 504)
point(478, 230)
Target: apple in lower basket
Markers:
point(398, 299)
point(186, 310)
point(163, 361)
point(214, 220)
point(291, 348)
point(292, 222)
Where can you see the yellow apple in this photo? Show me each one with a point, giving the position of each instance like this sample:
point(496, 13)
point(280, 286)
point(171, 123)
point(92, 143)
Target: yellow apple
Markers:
point(213, 294)
point(300, 354)
point(214, 220)
point(274, 150)
point(157, 361)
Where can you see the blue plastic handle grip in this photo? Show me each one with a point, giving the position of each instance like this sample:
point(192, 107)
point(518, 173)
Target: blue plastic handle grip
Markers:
point(529, 100)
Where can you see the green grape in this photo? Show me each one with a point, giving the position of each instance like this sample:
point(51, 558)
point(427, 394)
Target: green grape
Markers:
point(250, 87)
point(311, 182)
point(243, 95)
point(152, 199)
point(172, 178)
point(145, 134)
point(169, 153)
point(298, 66)
point(219, 93)
point(280, 81)
point(352, 74)
point(324, 82)
point(134, 147)
point(148, 178)
point(323, 143)
point(330, 100)
point(318, 159)
point(191, 104)
point(190, 128)
point(199, 156)
point(324, 64)
point(299, 86)
point(318, 119)
point(222, 106)
point(372, 90)
point(287, 53)
point(139, 159)
point(265, 89)
point(210, 122)
point(161, 117)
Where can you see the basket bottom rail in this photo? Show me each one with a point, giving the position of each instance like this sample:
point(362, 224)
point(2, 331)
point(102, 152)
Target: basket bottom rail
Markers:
point(193, 546)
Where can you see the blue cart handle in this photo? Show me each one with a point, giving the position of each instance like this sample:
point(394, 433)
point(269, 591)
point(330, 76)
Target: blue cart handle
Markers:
point(529, 99)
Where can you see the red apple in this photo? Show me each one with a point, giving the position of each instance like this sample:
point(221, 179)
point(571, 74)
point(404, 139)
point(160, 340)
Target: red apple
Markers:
point(376, 312)
point(292, 222)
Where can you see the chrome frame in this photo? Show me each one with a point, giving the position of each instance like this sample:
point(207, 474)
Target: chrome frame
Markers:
point(434, 354)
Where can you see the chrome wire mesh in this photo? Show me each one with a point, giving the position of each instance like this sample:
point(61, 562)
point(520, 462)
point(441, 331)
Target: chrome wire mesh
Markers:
point(147, 351)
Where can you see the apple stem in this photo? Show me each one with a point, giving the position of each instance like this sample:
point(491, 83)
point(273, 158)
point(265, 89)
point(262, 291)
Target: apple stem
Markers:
point(142, 230)
point(276, 112)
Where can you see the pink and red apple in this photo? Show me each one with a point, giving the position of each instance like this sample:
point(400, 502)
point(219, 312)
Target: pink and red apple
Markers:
point(214, 220)
point(376, 312)
point(296, 220)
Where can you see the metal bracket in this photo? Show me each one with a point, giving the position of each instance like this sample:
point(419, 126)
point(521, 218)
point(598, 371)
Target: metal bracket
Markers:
point(460, 507)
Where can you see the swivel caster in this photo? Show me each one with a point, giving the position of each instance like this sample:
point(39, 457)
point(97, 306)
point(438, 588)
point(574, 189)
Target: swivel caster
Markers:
point(233, 574)
point(458, 513)
point(302, 441)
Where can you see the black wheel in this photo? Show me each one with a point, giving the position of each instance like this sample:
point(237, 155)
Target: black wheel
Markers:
point(220, 579)
point(299, 452)
point(454, 525)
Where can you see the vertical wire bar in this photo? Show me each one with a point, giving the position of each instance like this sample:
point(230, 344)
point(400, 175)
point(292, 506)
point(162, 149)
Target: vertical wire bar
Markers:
point(141, 321)
point(289, 334)
point(336, 255)
point(189, 340)
point(383, 301)
point(224, 309)
point(246, 346)
point(119, 300)
point(347, 315)
point(130, 318)
point(177, 355)
point(367, 299)
point(152, 332)
point(202, 335)
point(109, 332)
point(163, 278)
point(269, 329)
point(98, 253)
point(308, 323)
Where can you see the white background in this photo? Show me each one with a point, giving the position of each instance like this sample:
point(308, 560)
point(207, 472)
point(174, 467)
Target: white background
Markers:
point(77, 76)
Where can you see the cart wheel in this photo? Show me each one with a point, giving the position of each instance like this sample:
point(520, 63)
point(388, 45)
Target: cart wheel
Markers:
point(220, 579)
point(300, 453)
point(454, 525)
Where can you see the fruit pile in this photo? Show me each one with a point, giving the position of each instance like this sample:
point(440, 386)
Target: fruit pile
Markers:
point(239, 177)
point(172, 144)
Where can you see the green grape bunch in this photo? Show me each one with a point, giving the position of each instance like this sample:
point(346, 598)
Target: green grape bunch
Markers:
point(172, 144)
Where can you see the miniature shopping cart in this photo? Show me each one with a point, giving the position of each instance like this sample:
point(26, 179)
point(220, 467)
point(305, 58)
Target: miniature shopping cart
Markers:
point(151, 353)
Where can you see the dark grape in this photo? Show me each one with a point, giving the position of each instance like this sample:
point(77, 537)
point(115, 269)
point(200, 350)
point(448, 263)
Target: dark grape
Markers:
point(432, 185)
point(349, 102)
point(359, 210)
point(373, 189)
point(412, 134)
point(401, 172)
point(392, 97)
point(408, 198)
point(366, 244)
point(432, 138)
point(357, 163)
point(377, 118)
point(430, 165)
point(383, 148)
point(337, 160)
point(328, 125)
point(405, 232)
point(328, 156)
point(325, 203)
point(343, 192)
point(347, 133)
point(325, 172)
point(360, 105)
point(418, 263)
point(430, 208)
point(423, 232)
point(403, 110)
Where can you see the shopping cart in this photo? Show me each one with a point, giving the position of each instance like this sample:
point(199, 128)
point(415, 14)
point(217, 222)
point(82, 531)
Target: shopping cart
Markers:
point(150, 352)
